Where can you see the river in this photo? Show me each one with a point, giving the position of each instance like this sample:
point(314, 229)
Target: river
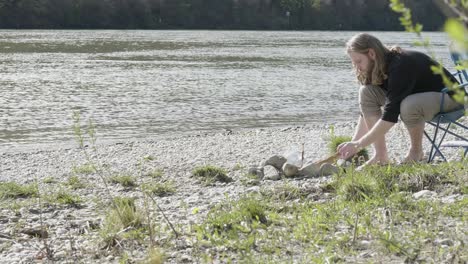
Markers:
point(138, 84)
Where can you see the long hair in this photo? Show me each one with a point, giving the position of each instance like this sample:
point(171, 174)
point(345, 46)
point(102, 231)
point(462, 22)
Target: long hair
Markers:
point(361, 43)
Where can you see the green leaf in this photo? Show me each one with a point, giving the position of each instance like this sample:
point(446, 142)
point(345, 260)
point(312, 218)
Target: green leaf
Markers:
point(457, 32)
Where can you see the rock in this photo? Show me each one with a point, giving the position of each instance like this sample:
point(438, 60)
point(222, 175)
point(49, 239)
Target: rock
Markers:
point(424, 194)
point(257, 171)
point(365, 254)
point(364, 244)
point(254, 189)
point(451, 198)
point(328, 169)
point(35, 232)
point(186, 258)
point(442, 242)
point(290, 170)
point(271, 173)
point(310, 170)
point(276, 161)
point(343, 163)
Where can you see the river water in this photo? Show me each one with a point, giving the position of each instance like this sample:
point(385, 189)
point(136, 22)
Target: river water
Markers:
point(137, 84)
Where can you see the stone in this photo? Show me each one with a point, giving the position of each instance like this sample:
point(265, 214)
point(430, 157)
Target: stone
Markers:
point(343, 163)
point(276, 161)
point(271, 173)
point(186, 258)
point(257, 171)
point(290, 170)
point(364, 244)
point(451, 198)
point(310, 170)
point(328, 169)
point(424, 194)
point(35, 232)
point(443, 242)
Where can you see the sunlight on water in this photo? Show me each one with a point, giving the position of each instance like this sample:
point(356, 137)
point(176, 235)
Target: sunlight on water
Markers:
point(135, 84)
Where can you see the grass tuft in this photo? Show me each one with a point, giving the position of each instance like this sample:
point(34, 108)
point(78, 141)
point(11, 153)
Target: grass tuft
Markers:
point(210, 174)
point(75, 183)
point(284, 192)
point(49, 180)
point(15, 190)
point(148, 158)
point(124, 180)
point(335, 141)
point(87, 168)
point(155, 256)
point(64, 197)
point(159, 188)
point(121, 218)
point(158, 173)
point(237, 215)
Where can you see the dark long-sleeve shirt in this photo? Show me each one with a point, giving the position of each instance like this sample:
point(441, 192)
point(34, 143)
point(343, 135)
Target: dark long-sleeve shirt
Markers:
point(408, 73)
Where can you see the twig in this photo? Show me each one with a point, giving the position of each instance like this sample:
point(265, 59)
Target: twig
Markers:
point(355, 228)
point(164, 215)
point(302, 155)
point(456, 10)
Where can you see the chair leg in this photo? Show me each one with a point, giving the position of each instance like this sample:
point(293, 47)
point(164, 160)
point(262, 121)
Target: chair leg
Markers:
point(442, 140)
point(435, 145)
point(450, 132)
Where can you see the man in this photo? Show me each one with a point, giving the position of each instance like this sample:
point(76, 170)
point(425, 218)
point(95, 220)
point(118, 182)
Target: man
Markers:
point(403, 84)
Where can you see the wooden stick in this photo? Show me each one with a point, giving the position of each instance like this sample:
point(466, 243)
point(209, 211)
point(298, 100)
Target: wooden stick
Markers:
point(329, 159)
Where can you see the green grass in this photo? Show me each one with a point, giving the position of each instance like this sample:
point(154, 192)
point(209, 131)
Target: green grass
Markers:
point(49, 180)
point(156, 174)
point(335, 141)
point(159, 188)
point(87, 168)
point(124, 180)
point(250, 179)
point(148, 158)
point(15, 190)
point(210, 174)
point(284, 192)
point(372, 210)
point(75, 183)
point(64, 197)
point(155, 256)
point(123, 215)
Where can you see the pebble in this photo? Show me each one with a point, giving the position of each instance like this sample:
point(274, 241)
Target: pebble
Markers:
point(424, 194)
point(451, 198)
point(445, 242)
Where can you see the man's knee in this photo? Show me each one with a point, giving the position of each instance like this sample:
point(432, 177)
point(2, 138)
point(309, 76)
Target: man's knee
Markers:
point(411, 111)
point(371, 99)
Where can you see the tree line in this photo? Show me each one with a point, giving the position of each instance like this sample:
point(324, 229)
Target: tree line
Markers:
point(213, 14)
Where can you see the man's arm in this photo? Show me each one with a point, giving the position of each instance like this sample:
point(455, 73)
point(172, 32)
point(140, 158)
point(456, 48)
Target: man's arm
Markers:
point(361, 129)
point(348, 149)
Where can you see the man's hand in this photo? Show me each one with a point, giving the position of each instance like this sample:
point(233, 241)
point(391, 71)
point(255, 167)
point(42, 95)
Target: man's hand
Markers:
point(348, 149)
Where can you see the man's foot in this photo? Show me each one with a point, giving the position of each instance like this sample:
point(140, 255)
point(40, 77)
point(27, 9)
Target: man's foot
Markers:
point(377, 161)
point(374, 161)
point(413, 157)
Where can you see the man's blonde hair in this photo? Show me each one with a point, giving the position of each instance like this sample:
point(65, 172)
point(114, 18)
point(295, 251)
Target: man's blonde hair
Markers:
point(362, 43)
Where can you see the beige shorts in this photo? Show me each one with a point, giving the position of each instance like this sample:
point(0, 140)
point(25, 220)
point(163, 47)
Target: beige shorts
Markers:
point(414, 109)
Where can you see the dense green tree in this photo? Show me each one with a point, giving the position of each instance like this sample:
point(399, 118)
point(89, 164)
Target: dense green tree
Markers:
point(213, 14)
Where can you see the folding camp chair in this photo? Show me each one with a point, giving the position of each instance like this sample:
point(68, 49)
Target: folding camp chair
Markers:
point(448, 119)
point(461, 74)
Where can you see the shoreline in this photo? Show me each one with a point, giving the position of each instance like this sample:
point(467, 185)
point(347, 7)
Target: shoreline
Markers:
point(175, 157)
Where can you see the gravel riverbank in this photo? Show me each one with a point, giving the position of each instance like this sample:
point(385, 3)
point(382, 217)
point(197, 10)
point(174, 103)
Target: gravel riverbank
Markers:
point(72, 230)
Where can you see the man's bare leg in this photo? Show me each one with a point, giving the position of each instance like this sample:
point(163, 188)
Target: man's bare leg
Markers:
point(380, 147)
point(415, 153)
